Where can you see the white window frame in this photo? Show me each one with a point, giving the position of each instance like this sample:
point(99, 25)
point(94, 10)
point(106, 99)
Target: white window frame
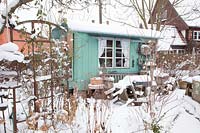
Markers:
point(197, 35)
point(106, 48)
point(114, 49)
point(181, 51)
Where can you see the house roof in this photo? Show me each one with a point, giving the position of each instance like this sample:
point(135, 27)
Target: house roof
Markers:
point(116, 30)
point(189, 10)
point(170, 36)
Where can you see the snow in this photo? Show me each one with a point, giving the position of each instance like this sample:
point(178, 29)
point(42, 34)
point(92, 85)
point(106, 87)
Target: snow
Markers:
point(182, 116)
point(169, 36)
point(8, 73)
point(109, 79)
point(184, 125)
point(34, 36)
point(100, 86)
point(2, 21)
point(182, 112)
point(3, 10)
point(126, 118)
point(4, 104)
point(150, 63)
point(11, 56)
point(189, 118)
point(190, 79)
point(196, 78)
point(129, 79)
point(41, 78)
point(145, 47)
point(11, 3)
point(3, 93)
point(8, 51)
point(10, 84)
point(159, 73)
point(10, 47)
point(118, 30)
point(171, 80)
point(29, 99)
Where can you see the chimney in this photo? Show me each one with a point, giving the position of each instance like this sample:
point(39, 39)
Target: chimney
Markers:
point(107, 22)
point(141, 26)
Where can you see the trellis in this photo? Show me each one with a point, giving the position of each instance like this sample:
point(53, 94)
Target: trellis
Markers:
point(53, 80)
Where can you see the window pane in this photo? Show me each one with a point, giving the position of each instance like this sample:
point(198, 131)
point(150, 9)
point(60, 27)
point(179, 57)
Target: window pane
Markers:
point(195, 35)
point(109, 52)
point(198, 35)
point(118, 62)
point(118, 52)
point(109, 43)
point(114, 52)
point(118, 44)
point(102, 62)
point(103, 54)
point(126, 63)
point(108, 62)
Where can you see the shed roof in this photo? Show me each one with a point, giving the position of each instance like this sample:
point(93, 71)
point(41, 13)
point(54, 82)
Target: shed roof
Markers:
point(116, 30)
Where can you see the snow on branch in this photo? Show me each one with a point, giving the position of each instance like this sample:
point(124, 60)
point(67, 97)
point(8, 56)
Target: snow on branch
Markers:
point(12, 6)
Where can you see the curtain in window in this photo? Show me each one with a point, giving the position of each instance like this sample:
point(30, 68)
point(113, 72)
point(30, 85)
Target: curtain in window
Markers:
point(102, 45)
point(125, 51)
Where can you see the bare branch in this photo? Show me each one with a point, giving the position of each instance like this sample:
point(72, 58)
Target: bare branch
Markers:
point(118, 21)
point(12, 10)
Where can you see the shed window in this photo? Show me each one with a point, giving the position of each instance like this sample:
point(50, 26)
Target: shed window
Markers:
point(114, 53)
point(196, 35)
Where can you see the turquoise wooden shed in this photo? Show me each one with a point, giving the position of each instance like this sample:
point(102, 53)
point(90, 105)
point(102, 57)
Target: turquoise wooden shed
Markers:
point(113, 50)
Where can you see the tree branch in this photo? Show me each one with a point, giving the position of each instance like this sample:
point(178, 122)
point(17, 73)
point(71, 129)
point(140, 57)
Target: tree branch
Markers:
point(12, 10)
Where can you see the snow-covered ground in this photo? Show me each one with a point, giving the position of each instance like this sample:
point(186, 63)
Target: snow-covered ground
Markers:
point(176, 113)
point(182, 115)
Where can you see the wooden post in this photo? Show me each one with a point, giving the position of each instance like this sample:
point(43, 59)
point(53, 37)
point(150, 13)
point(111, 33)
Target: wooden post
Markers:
point(14, 112)
point(51, 69)
point(11, 34)
point(3, 115)
point(36, 109)
point(100, 11)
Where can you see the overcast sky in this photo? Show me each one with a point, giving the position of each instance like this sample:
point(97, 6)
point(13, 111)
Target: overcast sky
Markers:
point(115, 12)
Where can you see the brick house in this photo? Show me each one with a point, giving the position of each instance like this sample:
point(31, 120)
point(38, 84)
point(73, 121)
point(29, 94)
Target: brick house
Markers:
point(17, 35)
point(183, 18)
point(20, 38)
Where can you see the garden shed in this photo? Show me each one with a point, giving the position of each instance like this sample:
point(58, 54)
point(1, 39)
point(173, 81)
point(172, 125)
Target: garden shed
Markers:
point(110, 49)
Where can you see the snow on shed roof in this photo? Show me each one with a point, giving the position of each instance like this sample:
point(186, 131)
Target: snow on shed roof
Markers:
point(189, 10)
point(170, 36)
point(117, 30)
